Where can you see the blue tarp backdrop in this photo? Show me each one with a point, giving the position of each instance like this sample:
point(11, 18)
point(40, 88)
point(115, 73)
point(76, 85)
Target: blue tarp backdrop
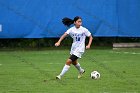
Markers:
point(42, 18)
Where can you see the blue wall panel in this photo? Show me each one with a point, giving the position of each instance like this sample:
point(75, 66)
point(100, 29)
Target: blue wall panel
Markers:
point(42, 18)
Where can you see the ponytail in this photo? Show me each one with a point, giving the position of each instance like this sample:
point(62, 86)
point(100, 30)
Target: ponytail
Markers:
point(67, 21)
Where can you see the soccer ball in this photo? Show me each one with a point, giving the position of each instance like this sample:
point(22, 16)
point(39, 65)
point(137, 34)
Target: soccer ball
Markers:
point(95, 75)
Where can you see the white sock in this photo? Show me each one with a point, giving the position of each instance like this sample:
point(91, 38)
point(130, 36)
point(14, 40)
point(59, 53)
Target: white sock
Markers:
point(79, 67)
point(64, 70)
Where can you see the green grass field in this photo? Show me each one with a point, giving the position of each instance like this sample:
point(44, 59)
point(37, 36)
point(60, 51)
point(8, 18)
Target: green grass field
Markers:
point(35, 72)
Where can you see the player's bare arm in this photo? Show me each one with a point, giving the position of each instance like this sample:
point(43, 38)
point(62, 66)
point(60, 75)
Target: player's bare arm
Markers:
point(61, 38)
point(90, 41)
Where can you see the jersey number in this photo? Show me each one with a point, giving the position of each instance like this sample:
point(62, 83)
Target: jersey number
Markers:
point(77, 38)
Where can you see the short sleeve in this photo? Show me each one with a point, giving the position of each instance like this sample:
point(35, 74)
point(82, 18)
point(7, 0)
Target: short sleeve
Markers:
point(68, 31)
point(87, 33)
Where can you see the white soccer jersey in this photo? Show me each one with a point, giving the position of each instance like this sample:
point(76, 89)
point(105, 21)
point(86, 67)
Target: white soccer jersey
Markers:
point(79, 35)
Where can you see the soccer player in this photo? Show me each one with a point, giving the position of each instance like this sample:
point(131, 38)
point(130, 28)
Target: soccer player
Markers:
point(79, 34)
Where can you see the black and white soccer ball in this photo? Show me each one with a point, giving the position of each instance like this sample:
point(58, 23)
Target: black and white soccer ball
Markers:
point(95, 75)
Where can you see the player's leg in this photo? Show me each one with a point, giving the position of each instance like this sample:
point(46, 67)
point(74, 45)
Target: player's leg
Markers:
point(65, 69)
point(77, 65)
point(67, 66)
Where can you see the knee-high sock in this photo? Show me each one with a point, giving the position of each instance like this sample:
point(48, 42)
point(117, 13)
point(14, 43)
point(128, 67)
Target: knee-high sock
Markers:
point(78, 67)
point(64, 70)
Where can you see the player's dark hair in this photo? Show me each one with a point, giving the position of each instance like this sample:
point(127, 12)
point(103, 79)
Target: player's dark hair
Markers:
point(67, 21)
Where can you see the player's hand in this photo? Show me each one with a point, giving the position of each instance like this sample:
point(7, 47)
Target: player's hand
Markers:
point(87, 47)
point(57, 44)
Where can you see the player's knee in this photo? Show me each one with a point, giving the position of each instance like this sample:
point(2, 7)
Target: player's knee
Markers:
point(68, 62)
point(74, 63)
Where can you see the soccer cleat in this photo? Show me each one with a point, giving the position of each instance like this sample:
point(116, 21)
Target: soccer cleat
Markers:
point(58, 77)
point(80, 74)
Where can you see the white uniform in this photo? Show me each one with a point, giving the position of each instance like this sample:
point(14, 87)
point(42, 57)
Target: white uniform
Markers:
point(79, 35)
